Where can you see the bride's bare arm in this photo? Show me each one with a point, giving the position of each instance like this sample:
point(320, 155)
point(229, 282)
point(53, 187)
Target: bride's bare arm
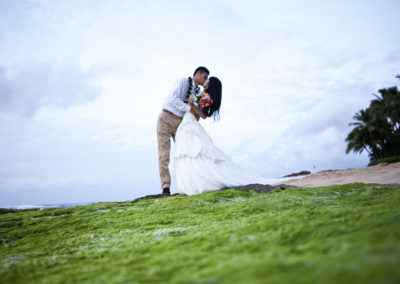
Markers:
point(197, 112)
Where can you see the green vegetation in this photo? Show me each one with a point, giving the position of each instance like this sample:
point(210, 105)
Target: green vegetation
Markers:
point(337, 234)
point(377, 128)
point(393, 159)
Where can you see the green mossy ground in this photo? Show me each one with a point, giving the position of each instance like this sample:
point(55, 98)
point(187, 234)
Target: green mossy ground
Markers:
point(337, 234)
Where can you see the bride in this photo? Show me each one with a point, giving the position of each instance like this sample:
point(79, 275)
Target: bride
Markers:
point(199, 165)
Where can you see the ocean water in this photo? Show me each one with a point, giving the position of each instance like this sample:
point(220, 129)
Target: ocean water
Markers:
point(45, 206)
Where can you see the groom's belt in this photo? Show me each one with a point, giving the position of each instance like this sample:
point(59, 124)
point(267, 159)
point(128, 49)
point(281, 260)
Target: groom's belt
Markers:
point(167, 111)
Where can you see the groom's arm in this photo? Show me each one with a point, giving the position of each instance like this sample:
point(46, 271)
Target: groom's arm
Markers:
point(178, 94)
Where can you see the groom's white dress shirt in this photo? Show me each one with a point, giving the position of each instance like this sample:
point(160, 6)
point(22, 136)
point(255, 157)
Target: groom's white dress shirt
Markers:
point(174, 102)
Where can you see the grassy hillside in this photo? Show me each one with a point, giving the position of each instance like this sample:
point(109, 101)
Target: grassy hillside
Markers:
point(338, 234)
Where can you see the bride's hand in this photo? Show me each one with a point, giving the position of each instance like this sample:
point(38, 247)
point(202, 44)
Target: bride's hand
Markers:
point(191, 101)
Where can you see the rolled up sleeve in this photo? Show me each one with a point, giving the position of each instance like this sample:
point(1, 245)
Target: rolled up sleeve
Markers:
point(178, 95)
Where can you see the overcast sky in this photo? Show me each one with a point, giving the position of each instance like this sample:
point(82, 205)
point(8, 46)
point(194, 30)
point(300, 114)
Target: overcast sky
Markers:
point(82, 84)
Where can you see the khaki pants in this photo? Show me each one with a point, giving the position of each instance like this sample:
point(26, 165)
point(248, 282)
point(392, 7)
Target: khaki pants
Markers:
point(167, 125)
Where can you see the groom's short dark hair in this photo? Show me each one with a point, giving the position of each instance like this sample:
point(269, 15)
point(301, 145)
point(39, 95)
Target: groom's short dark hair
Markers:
point(202, 69)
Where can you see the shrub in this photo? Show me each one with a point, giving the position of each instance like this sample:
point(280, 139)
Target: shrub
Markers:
point(392, 159)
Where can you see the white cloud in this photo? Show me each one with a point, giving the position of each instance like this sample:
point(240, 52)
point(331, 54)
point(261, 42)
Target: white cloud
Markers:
point(30, 87)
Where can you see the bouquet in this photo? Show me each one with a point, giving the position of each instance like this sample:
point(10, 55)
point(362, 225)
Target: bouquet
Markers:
point(203, 100)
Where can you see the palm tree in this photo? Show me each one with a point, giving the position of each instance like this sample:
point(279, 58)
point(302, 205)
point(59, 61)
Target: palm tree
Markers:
point(356, 142)
point(377, 128)
point(365, 135)
point(388, 105)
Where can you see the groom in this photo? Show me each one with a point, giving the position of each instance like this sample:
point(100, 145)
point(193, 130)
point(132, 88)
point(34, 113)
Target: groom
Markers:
point(170, 117)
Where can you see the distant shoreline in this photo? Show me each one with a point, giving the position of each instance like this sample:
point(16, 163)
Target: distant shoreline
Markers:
point(385, 174)
point(46, 206)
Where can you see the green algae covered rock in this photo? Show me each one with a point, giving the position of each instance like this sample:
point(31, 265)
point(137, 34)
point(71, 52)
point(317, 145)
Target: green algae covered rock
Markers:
point(338, 234)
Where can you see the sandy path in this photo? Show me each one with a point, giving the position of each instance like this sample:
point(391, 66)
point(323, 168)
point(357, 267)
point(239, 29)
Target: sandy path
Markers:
point(382, 174)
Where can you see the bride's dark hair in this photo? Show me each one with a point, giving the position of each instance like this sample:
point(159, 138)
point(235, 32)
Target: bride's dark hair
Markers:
point(215, 91)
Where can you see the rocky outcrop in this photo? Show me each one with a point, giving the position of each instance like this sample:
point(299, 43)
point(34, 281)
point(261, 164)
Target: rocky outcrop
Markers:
point(262, 188)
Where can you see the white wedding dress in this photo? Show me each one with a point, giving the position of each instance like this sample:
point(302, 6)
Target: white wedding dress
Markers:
point(199, 166)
